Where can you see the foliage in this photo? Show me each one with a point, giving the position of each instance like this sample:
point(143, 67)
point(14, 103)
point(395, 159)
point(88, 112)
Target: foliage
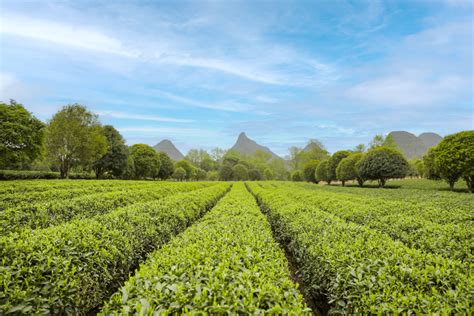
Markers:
point(255, 175)
point(74, 138)
point(240, 172)
point(381, 164)
point(21, 136)
point(146, 161)
point(322, 172)
point(333, 162)
point(179, 174)
point(296, 176)
point(221, 254)
point(454, 158)
point(429, 167)
point(212, 175)
point(268, 174)
point(348, 169)
point(225, 172)
point(352, 259)
point(187, 166)
point(72, 268)
point(63, 208)
point(31, 174)
point(309, 170)
point(115, 159)
point(166, 166)
point(199, 174)
point(314, 150)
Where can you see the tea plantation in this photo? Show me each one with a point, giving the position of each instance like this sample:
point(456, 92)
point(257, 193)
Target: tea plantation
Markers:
point(114, 247)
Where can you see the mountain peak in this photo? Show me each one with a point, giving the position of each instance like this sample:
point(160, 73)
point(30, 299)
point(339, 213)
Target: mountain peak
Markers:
point(415, 146)
point(248, 146)
point(169, 148)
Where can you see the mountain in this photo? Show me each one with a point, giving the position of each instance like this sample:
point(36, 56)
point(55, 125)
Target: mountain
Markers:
point(415, 146)
point(168, 147)
point(248, 146)
point(430, 139)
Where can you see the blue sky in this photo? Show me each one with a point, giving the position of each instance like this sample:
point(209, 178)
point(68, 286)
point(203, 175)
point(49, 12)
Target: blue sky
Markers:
point(284, 72)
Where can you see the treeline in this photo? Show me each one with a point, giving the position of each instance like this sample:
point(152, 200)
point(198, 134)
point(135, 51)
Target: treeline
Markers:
point(74, 142)
point(451, 160)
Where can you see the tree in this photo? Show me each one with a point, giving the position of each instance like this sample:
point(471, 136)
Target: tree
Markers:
point(225, 173)
point(309, 171)
point(21, 136)
point(296, 176)
point(240, 172)
point(420, 168)
point(166, 166)
point(322, 172)
point(74, 138)
point(212, 175)
point(454, 158)
point(197, 156)
point(209, 164)
point(115, 159)
point(294, 157)
point(146, 161)
point(383, 163)
point(255, 175)
point(360, 148)
point(268, 174)
point(429, 168)
point(199, 174)
point(347, 169)
point(217, 154)
point(179, 174)
point(334, 161)
point(186, 165)
point(381, 141)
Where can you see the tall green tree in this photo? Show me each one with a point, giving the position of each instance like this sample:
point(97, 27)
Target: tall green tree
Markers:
point(21, 136)
point(74, 138)
point(334, 161)
point(146, 161)
point(268, 174)
point(187, 166)
point(454, 158)
point(309, 171)
point(225, 172)
point(348, 169)
point(179, 174)
point(322, 173)
point(166, 166)
point(383, 163)
point(296, 176)
point(240, 172)
point(115, 159)
point(429, 167)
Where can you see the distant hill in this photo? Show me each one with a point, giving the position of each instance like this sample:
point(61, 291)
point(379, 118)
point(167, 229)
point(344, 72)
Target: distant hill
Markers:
point(168, 147)
point(413, 146)
point(248, 146)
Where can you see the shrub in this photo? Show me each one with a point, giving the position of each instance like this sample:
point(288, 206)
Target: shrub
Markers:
point(309, 171)
point(347, 169)
point(296, 176)
point(383, 163)
point(322, 172)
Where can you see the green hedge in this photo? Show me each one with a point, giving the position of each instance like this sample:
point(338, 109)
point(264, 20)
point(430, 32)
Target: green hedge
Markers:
point(53, 212)
point(227, 263)
point(362, 271)
point(30, 174)
point(72, 268)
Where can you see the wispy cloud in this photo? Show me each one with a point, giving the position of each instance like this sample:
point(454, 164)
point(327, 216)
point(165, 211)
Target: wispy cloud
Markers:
point(140, 117)
point(78, 36)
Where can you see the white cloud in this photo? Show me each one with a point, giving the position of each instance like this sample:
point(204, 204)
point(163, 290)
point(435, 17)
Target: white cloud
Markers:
point(131, 116)
point(172, 131)
point(407, 90)
point(77, 36)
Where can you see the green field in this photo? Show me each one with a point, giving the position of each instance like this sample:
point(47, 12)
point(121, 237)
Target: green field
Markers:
point(156, 247)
